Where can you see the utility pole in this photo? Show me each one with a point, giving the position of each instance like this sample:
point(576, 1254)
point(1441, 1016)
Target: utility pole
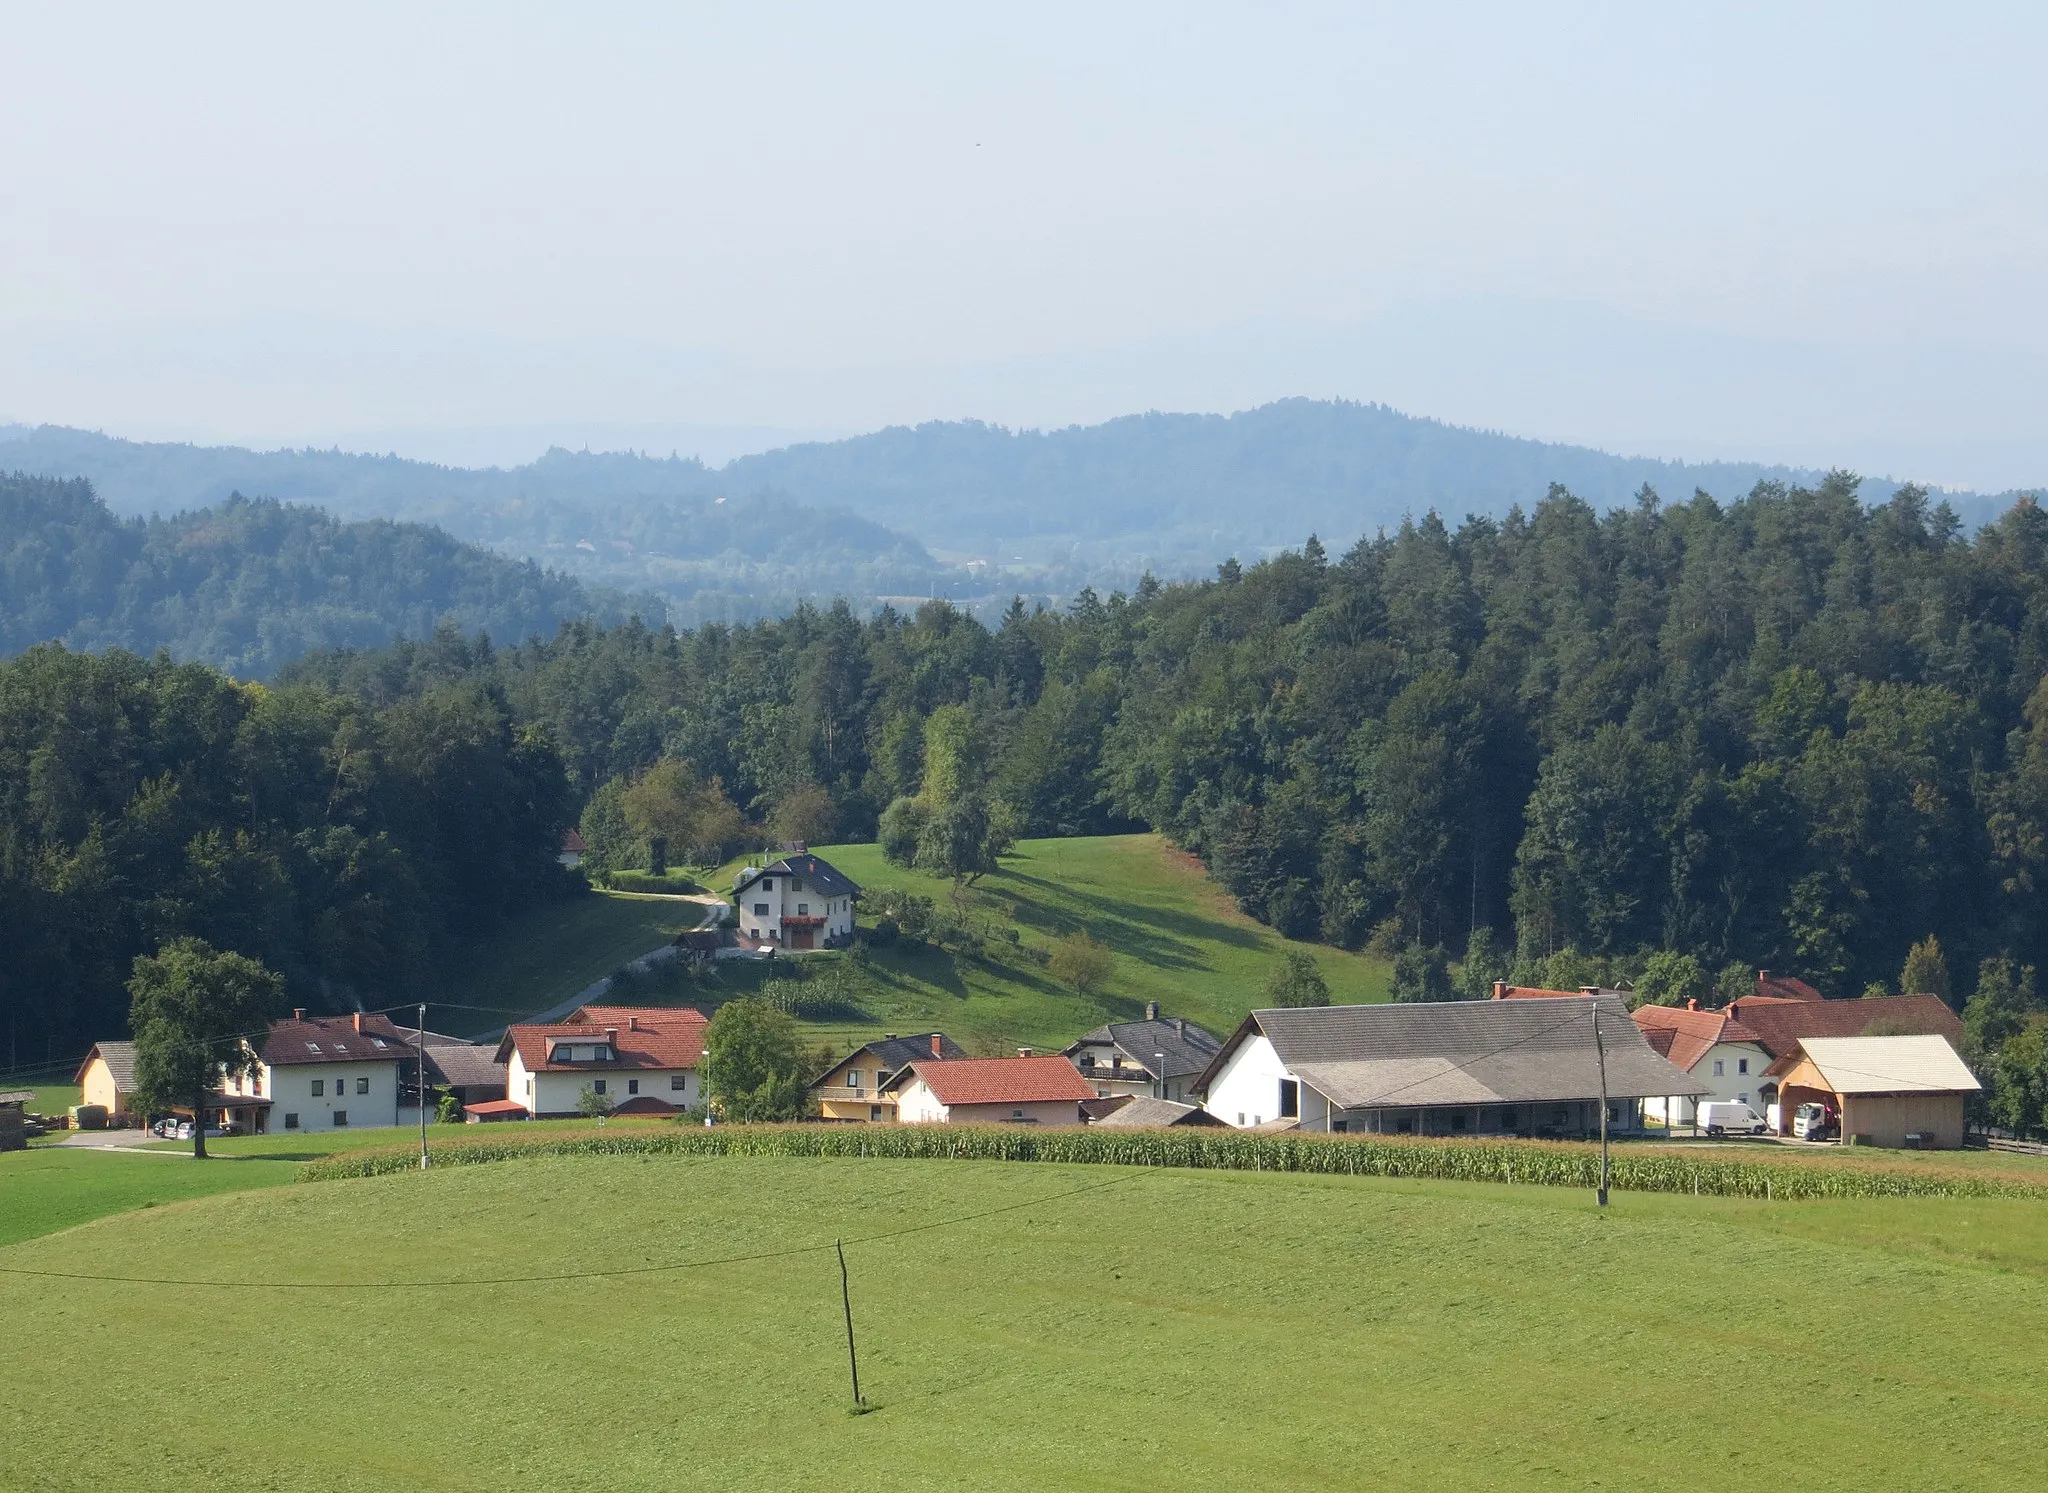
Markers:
point(420, 1050)
point(846, 1301)
point(1600, 1052)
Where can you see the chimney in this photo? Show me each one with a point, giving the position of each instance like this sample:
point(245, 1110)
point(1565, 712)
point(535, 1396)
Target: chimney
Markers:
point(1500, 990)
point(359, 1021)
point(1692, 1003)
point(1180, 1024)
point(1023, 1052)
point(298, 1013)
point(1151, 1010)
point(938, 1046)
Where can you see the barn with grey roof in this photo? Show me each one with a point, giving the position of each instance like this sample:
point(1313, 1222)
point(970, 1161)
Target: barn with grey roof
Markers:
point(1525, 1067)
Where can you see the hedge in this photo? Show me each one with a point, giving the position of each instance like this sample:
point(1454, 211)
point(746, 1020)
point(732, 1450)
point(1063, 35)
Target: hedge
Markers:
point(1534, 1162)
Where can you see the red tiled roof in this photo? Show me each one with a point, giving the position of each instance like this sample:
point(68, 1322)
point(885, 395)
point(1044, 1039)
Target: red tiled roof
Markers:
point(1503, 992)
point(1685, 1036)
point(1002, 1080)
point(572, 843)
point(647, 1037)
point(1780, 1024)
point(1785, 987)
point(334, 1039)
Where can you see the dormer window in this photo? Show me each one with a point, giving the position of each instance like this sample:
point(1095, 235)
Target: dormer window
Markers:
point(312, 1047)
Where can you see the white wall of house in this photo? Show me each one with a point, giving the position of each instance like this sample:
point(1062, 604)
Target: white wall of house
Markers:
point(765, 904)
point(916, 1104)
point(1733, 1070)
point(1246, 1092)
point(366, 1094)
point(552, 1092)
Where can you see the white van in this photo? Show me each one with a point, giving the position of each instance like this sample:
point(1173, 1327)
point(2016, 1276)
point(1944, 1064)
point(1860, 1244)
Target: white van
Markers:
point(1728, 1116)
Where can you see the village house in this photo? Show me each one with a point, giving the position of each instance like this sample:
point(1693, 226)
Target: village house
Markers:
point(1155, 1057)
point(470, 1071)
point(1143, 1112)
point(319, 1073)
point(1024, 1090)
point(798, 902)
point(1521, 1067)
point(1887, 1091)
point(107, 1078)
point(644, 1060)
point(851, 1089)
point(1714, 1047)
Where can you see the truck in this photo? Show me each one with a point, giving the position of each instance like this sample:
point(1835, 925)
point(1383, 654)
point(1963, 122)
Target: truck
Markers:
point(1813, 1122)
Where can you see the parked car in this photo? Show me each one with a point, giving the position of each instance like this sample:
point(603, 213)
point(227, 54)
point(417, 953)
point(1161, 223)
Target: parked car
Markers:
point(1730, 1116)
point(1812, 1122)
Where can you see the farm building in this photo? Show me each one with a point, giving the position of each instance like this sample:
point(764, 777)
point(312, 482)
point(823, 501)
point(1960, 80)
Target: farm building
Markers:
point(851, 1089)
point(1156, 1057)
point(798, 902)
point(1524, 1067)
point(1889, 1091)
point(1023, 1090)
point(318, 1073)
point(644, 1060)
point(1143, 1112)
point(470, 1071)
point(107, 1076)
point(1782, 1022)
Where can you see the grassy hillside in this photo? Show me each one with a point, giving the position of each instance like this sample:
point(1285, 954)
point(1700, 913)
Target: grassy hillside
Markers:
point(1028, 1327)
point(1178, 940)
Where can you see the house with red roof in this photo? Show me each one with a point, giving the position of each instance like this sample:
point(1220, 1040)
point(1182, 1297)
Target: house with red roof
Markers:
point(646, 1060)
point(1714, 1047)
point(321, 1073)
point(1024, 1090)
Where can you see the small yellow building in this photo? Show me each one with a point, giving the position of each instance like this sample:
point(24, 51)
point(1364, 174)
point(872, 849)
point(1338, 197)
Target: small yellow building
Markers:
point(107, 1076)
point(851, 1089)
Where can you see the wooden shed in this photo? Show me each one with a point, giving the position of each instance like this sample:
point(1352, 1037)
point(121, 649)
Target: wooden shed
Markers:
point(1886, 1089)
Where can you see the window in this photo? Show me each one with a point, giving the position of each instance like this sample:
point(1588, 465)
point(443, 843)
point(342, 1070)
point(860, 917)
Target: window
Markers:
point(1742, 1098)
point(341, 1119)
point(597, 1085)
point(675, 1082)
point(1240, 1117)
point(1719, 1067)
point(1016, 1114)
point(1340, 1126)
point(803, 909)
point(760, 909)
point(1742, 1065)
point(632, 1085)
point(529, 1087)
point(874, 1111)
point(319, 1088)
point(1290, 1098)
point(291, 1120)
point(767, 883)
point(362, 1086)
point(853, 1078)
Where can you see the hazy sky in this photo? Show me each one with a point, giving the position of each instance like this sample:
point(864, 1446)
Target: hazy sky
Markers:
point(1805, 232)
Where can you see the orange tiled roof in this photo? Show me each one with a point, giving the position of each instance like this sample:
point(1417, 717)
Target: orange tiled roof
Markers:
point(1685, 1036)
point(1002, 1080)
point(647, 1037)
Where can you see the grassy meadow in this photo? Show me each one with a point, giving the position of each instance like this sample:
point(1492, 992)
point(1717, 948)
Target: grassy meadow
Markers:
point(1178, 940)
point(1024, 1328)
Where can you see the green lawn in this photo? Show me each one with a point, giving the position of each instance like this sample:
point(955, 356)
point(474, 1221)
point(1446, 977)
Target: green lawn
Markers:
point(551, 955)
point(1026, 1327)
point(1178, 938)
point(48, 1188)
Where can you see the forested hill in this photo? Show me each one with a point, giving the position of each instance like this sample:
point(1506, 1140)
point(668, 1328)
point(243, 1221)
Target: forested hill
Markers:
point(250, 585)
point(1178, 492)
point(1788, 731)
point(663, 526)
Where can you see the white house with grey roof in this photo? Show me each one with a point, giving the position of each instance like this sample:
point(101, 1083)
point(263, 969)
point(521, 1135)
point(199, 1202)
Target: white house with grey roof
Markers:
point(799, 902)
point(1521, 1067)
point(1158, 1057)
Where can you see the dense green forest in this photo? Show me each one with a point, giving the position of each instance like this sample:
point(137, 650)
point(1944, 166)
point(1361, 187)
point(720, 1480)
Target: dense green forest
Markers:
point(248, 585)
point(353, 850)
point(1672, 742)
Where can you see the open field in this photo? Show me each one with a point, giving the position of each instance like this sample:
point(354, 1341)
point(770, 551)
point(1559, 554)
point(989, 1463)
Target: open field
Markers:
point(1031, 1328)
point(1178, 939)
point(48, 1188)
point(551, 955)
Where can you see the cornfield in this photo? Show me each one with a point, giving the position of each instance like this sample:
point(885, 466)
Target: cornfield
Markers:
point(1534, 1163)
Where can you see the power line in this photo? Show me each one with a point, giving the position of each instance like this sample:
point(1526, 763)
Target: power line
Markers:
point(570, 1275)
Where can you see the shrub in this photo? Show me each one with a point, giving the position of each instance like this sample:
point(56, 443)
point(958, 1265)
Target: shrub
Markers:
point(1297, 981)
point(1082, 963)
